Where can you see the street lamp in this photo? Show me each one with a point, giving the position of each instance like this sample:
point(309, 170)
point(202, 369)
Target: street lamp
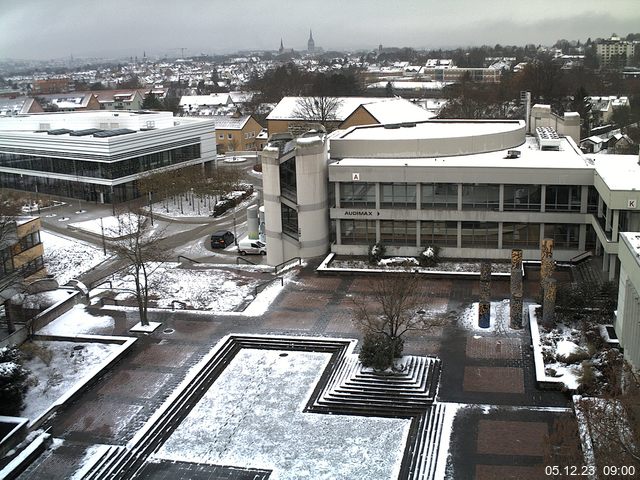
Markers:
point(151, 209)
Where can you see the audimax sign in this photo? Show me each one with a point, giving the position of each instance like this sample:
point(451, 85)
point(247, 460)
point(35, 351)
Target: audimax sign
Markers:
point(361, 213)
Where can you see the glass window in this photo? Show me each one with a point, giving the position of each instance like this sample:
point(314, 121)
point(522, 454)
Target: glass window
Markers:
point(288, 186)
point(480, 234)
point(357, 194)
point(358, 232)
point(565, 236)
point(522, 197)
point(439, 195)
point(289, 221)
point(479, 196)
point(563, 198)
point(398, 195)
point(398, 232)
point(520, 235)
point(592, 199)
point(438, 234)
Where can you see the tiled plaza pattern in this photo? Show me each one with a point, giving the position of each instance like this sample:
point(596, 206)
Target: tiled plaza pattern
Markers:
point(478, 368)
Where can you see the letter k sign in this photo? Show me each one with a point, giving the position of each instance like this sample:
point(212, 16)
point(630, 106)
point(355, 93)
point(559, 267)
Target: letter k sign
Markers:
point(632, 203)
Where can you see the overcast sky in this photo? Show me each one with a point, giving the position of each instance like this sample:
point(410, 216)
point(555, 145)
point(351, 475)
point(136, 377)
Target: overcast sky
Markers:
point(43, 29)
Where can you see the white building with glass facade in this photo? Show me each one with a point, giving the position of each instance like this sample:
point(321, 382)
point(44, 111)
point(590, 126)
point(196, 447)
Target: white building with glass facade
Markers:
point(475, 188)
point(98, 155)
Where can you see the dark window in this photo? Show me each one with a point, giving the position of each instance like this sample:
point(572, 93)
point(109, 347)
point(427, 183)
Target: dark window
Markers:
point(522, 197)
point(288, 186)
point(480, 234)
point(592, 199)
point(520, 235)
point(289, 221)
point(565, 236)
point(357, 195)
point(398, 195)
point(563, 198)
point(438, 234)
point(358, 232)
point(480, 196)
point(398, 232)
point(439, 195)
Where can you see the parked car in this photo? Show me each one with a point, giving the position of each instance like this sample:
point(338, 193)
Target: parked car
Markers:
point(221, 239)
point(255, 247)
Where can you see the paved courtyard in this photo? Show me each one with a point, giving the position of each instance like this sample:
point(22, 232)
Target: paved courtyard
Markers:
point(499, 433)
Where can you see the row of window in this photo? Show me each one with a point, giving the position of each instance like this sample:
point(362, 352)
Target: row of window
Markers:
point(111, 170)
point(474, 196)
point(445, 234)
point(26, 242)
point(247, 136)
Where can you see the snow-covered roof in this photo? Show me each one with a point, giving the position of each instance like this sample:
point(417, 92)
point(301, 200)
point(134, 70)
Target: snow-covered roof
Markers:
point(215, 99)
point(227, 122)
point(397, 110)
point(619, 172)
point(15, 106)
point(286, 108)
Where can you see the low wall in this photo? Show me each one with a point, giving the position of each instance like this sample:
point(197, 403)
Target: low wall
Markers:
point(41, 320)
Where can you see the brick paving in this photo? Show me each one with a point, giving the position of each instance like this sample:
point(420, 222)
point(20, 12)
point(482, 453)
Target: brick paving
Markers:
point(494, 347)
point(493, 369)
point(494, 379)
point(497, 437)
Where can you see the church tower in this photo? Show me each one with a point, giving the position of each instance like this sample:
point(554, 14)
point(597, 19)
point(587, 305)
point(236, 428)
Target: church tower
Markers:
point(311, 45)
point(281, 49)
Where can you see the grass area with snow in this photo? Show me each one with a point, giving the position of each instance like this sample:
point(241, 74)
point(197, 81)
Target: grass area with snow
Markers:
point(252, 417)
point(66, 258)
point(56, 366)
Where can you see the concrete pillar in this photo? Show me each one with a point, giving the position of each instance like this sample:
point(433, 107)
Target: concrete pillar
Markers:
point(500, 235)
point(459, 197)
point(501, 198)
point(543, 198)
point(584, 199)
point(484, 307)
point(605, 261)
point(615, 220)
point(582, 237)
point(549, 303)
point(252, 222)
point(612, 267)
point(515, 301)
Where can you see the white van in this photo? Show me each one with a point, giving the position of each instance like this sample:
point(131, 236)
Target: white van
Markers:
point(255, 247)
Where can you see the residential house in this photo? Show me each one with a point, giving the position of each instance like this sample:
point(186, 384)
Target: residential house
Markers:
point(70, 102)
point(288, 115)
point(236, 133)
point(19, 106)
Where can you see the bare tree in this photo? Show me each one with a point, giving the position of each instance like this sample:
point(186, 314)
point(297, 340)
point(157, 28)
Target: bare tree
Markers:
point(394, 304)
point(140, 247)
point(318, 109)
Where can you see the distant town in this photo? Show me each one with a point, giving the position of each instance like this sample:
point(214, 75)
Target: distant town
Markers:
point(394, 263)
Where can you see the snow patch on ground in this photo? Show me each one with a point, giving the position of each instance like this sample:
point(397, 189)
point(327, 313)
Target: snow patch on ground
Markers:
point(77, 321)
point(252, 418)
point(499, 321)
point(66, 368)
point(66, 258)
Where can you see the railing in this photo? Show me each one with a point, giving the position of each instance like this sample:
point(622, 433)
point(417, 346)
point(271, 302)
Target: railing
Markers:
point(187, 258)
point(580, 257)
point(182, 305)
point(264, 285)
point(238, 259)
point(286, 263)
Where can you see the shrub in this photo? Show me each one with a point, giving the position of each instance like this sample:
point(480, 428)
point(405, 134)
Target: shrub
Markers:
point(376, 252)
point(378, 351)
point(429, 257)
point(257, 167)
point(587, 378)
point(13, 381)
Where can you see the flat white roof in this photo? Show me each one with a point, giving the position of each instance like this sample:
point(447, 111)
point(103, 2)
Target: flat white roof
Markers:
point(619, 172)
point(530, 157)
point(432, 129)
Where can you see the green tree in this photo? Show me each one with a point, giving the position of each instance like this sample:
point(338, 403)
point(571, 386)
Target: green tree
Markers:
point(151, 102)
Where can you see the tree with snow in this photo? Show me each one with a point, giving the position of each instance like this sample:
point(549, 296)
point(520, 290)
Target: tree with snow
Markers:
point(319, 109)
point(13, 381)
point(139, 246)
point(393, 305)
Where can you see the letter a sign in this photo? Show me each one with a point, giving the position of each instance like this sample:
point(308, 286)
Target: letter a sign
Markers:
point(355, 177)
